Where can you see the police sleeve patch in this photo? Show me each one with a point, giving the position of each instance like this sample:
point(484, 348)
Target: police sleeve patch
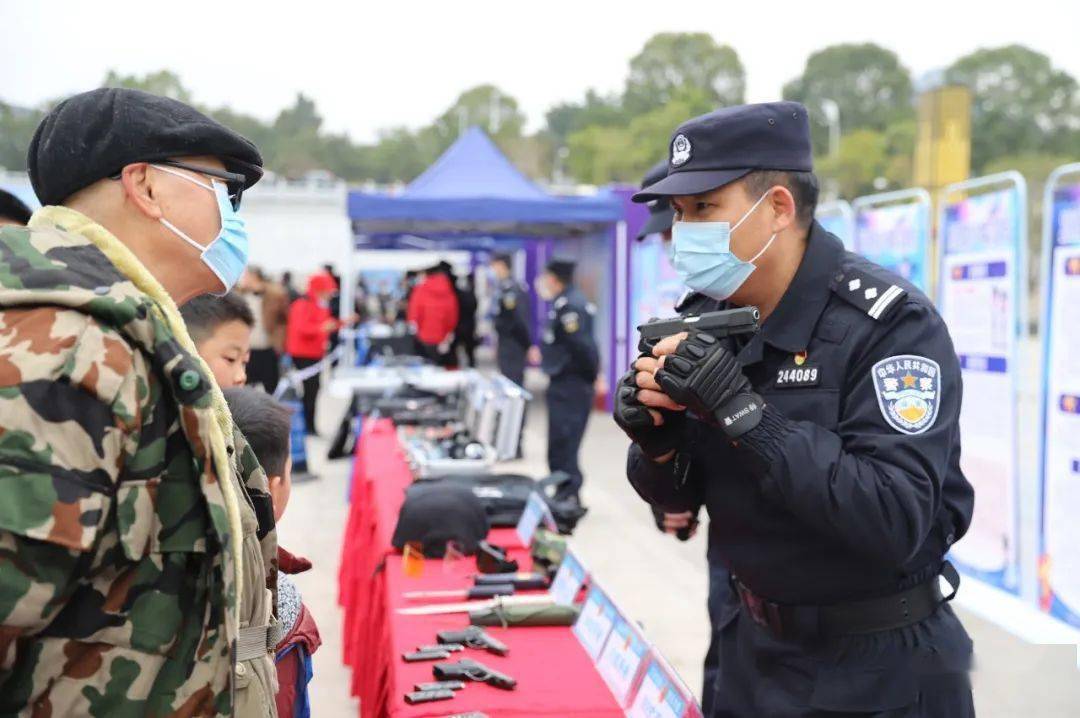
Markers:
point(908, 389)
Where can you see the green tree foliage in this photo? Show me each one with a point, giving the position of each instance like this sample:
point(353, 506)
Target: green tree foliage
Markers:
point(163, 82)
point(484, 106)
point(862, 158)
point(1022, 104)
point(673, 63)
point(624, 153)
point(16, 130)
point(1025, 112)
point(867, 82)
point(596, 111)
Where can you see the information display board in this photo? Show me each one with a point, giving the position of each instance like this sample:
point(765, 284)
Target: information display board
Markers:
point(1059, 561)
point(979, 295)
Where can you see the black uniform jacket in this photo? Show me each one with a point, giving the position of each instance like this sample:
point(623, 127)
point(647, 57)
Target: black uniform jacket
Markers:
point(850, 487)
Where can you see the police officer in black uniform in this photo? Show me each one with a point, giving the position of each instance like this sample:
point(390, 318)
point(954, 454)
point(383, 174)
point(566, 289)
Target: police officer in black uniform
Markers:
point(512, 312)
point(570, 358)
point(661, 215)
point(684, 524)
point(825, 447)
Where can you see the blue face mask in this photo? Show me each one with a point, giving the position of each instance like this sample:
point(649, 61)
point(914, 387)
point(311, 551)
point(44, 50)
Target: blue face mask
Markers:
point(227, 254)
point(704, 260)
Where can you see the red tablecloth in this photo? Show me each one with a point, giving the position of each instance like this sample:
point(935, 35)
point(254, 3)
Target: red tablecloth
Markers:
point(555, 676)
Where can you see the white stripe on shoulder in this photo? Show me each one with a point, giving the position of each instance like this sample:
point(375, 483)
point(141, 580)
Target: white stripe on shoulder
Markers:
point(884, 301)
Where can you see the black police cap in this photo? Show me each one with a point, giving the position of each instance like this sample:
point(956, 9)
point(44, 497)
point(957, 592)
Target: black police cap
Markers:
point(714, 149)
point(94, 134)
point(13, 208)
point(563, 269)
point(661, 214)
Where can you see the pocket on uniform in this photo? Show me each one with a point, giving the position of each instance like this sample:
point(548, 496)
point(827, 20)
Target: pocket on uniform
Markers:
point(48, 503)
point(854, 689)
point(160, 515)
point(164, 572)
point(819, 405)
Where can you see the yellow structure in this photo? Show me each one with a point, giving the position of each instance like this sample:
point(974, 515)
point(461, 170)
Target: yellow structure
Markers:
point(943, 141)
point(942, 146)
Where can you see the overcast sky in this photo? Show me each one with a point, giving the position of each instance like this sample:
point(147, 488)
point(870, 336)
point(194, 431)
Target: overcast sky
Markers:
point(372, 65)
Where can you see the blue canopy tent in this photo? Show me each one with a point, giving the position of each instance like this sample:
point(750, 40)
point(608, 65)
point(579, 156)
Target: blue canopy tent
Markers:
point(473, 197)
point(473, 190)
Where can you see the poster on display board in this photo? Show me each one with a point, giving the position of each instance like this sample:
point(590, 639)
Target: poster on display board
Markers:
point(660, 696)
point(595, 621)
point(655, 288)
point(980, 298)
point(838, 218)
point(896, 235)
point(1059, 561)
point(622, 659)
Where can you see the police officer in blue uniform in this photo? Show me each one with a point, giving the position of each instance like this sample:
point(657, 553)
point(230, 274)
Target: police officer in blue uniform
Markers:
point(571, 360)
point(512, 313)
point(684, 524)
point(825, 447)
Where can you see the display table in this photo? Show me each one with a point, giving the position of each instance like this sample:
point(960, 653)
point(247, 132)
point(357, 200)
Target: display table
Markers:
point(555, 676)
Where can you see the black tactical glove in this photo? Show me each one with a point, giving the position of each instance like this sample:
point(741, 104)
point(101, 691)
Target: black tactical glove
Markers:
point(683, 534)
point(706, 378)
point(633, 417)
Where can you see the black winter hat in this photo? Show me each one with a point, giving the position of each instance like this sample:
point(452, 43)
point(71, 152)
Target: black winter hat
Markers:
point(93, 135)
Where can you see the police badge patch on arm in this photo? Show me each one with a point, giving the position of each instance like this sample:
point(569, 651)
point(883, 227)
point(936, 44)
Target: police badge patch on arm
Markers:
point(908, 389)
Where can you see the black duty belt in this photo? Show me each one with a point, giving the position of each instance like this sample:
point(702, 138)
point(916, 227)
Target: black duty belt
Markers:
point(868, 616)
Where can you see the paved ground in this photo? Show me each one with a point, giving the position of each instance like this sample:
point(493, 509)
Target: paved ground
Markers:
point(656, 579)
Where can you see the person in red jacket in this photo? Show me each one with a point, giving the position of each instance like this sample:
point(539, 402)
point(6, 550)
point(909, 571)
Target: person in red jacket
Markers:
point(308, 330)
point(433, 311)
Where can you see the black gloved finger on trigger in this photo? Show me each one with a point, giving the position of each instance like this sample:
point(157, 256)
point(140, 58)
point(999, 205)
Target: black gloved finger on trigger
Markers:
point(691, 350)
point(678, 366)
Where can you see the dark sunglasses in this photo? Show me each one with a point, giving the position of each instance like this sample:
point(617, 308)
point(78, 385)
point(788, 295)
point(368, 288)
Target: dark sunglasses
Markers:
point(233, 182)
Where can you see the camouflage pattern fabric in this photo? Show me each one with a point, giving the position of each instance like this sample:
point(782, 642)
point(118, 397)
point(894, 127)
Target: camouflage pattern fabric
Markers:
point(129, 554)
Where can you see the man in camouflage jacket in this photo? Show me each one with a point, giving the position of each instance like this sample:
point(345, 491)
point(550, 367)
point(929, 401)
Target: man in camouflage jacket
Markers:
point(136, 546)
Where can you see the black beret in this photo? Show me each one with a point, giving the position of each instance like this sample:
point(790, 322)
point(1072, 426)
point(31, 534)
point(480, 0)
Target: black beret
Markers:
point(714, 149)
point(11, 207)
point(563, 269)
point(95, 134)
point(435, 513)
point(661, 214)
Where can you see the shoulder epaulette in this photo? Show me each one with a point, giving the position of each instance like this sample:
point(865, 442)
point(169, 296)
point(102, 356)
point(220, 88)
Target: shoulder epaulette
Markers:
point(873, 295)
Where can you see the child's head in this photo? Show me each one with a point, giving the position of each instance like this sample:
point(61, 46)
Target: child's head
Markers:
point(265, 424)
point(221, 328)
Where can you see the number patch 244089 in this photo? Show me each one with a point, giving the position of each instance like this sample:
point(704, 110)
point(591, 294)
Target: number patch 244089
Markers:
point(796, 377)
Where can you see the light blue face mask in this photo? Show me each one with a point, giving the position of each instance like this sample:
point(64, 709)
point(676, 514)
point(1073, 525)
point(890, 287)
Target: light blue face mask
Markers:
point(227, 254)
point(704, 259)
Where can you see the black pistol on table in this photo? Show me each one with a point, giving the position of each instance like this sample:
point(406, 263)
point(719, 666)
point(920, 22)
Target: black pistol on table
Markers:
point(474, 637)
point(719, 324)
point(467, 669)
